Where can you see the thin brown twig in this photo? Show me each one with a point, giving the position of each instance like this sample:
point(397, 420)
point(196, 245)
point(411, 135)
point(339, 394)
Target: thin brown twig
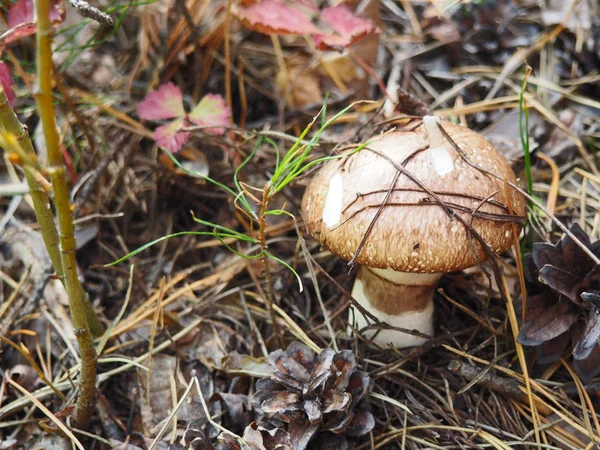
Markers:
point(560, 225)
point(505, 386)
point(400, 170)
point(444, 193)
point(426, 202)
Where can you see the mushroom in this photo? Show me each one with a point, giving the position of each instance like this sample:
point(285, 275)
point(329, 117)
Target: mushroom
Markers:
point(411, 239)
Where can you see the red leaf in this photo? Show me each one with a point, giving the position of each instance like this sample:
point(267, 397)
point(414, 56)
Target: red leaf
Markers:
point(164, 103)
point(348, 28)
point(22, 13)
point(211, 110)
point(277, 17)
point(170, 138)
point(16, 33)
point(345, 23)
point(7, 82)
point(310, 5)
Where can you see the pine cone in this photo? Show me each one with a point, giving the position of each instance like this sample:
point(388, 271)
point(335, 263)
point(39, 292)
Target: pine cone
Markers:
point(563, 303)
point(315, 397)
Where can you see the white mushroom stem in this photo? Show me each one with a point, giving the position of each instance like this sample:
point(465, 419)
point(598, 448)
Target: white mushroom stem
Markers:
point(400, 299)
point(443, 162)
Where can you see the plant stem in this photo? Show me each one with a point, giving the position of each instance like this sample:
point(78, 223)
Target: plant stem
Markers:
point(264, 257)
point(40, 190)
point(524, 134)
point(41, 201)
point(56, 169)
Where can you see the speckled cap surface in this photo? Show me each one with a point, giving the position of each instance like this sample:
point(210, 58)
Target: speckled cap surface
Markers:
point(413, 233)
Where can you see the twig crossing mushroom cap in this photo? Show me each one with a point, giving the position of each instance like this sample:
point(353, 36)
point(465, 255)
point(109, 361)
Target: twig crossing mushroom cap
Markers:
point(413, 233)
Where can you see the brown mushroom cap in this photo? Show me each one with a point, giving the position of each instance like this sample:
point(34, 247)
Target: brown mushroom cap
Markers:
point(413, 233)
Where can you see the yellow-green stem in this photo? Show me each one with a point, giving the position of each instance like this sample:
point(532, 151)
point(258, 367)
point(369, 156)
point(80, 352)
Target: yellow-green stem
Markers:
point(56, 170)
point(39, 196)
point(18, 142)
point(262, 230)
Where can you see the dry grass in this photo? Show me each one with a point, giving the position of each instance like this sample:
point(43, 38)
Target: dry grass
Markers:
point(472, 386)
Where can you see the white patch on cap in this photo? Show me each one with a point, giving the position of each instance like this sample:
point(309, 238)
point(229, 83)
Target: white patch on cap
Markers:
point(443, 162)
point(332, 211)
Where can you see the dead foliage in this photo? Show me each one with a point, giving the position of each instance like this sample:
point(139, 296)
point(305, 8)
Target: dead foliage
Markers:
point(191, 358)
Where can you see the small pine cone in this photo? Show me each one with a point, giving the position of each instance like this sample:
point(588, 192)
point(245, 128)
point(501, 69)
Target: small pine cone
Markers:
point(312, 395)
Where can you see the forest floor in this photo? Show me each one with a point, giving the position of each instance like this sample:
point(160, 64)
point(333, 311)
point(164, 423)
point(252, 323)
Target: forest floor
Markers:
point(190, 319)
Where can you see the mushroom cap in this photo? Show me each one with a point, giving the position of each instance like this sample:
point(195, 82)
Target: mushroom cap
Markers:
point(413, 233)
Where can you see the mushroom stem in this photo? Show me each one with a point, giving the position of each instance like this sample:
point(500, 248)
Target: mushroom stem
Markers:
point(400, 299)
